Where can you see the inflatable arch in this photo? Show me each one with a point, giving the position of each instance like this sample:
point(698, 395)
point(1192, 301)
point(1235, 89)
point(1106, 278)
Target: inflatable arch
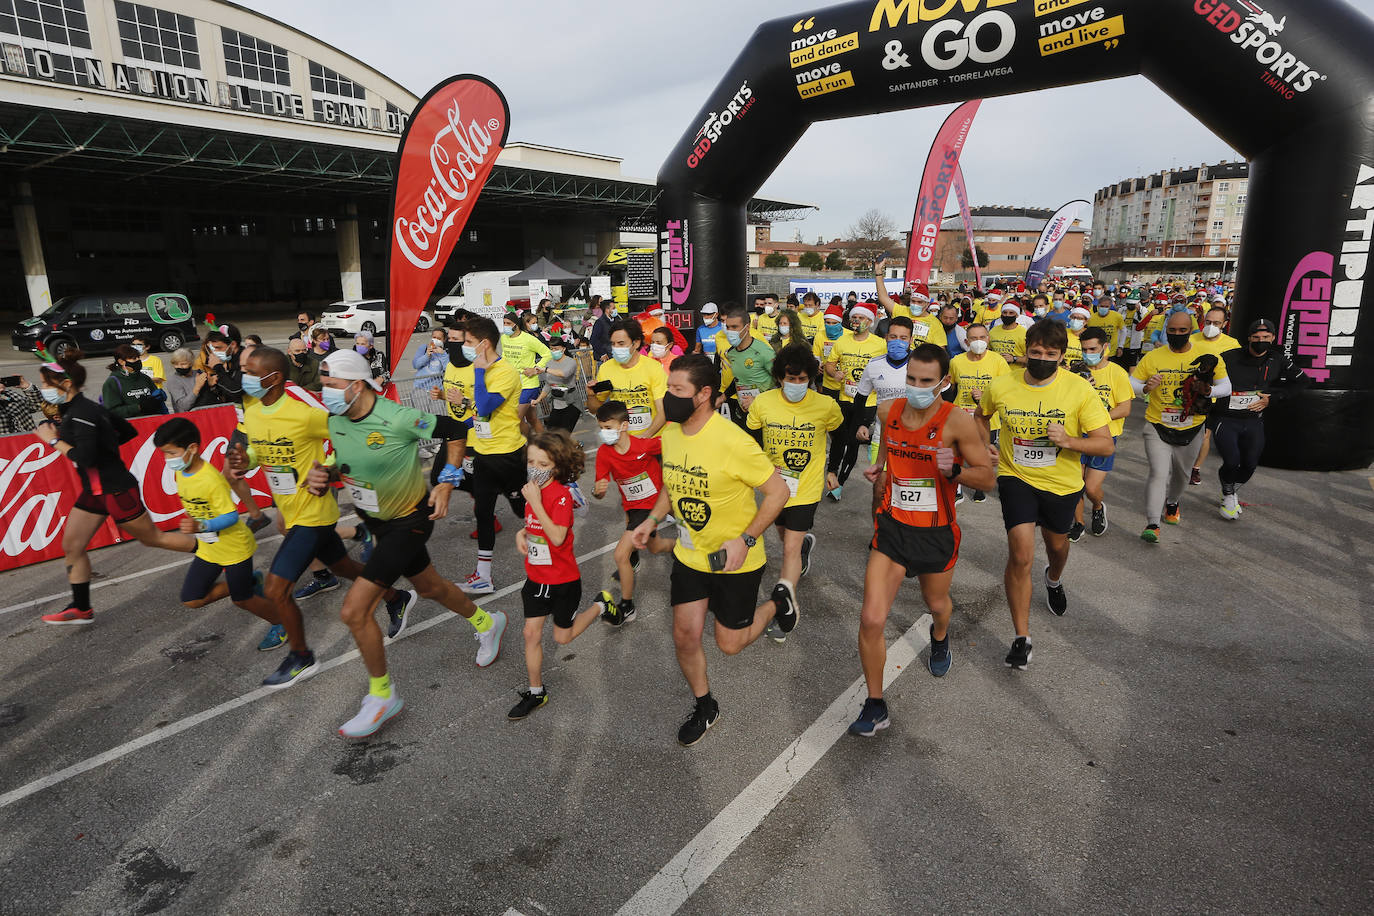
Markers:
point(1288, 83)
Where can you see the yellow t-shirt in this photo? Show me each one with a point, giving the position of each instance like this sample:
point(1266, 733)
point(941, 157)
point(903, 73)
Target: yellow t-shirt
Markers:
point(1007, 341)
point(794, 438)
point(206, 495)
point(711, 478)
point(812, 325)
point(522, 352)
point(152, 367)
point(1113, 386)
point(1112, 324)
point(460, 381)
point(498, 434)
point(764, 327)
point(285, 441)
point(1026, 411)
point(968, 375)
point(899, 310)
point(990, 314)
point(1074, 352)
point(928, 329)
point(1217, 345)
point(1165, 404)
point(640, 387)
point(853, 356)
point(822, 347)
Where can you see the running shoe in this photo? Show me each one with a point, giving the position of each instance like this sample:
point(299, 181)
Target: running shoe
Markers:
point(70, 615)
point(979, 496)
point(1150, 535)
point(297, 666)
point(476, 585)
point(257, 524)
point(1230, 507)
point(704, 715)
point(773, 633)
point(634, 565)
point(1195, 478)
point(1076, 531)
point(610, 612)
point(836, 493)
point(372, 715)
point(1020, 655)
point(316, 586)
point(940, 655)
point(364, 537)
point(474, 531)
point(489, 643)
point(958, 495)
point(1099, 522)
point(788, 611)
point(1171, 513)
point(529, 702)
point(872, 719)
point(275, 638)
point(398, 610)
point(1055, 597)
point(808, 544)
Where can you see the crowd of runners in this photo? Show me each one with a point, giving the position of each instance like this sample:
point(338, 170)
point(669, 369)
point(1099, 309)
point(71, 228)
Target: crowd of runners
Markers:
point(749, 422)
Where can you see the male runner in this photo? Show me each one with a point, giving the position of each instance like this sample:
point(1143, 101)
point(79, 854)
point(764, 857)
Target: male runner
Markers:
point(970, 374)
point(848, 359)
point(1211, 338)
point(832, 331)
point(1008, 339)
point(528, 356)
point(1113, 385)
point(746, 369)
point(812, 319)
point(635, 380)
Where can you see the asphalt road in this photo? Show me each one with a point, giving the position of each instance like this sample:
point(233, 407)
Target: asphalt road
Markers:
point(1194, 735)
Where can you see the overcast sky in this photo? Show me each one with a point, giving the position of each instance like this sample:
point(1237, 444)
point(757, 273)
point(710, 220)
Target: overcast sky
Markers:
point(596, 75)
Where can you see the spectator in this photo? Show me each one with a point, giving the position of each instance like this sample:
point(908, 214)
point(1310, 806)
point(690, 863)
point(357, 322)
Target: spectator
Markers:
point(222, 364)
point(300, 367)
point(152, 365)
point(601, 331)
point(305, 323)
point(128, 392)
point(320, 344)
point(560, 378)
point(16, 408)
point(250, 343)
point(375, 358)
point(185, 386)
point(430, 363)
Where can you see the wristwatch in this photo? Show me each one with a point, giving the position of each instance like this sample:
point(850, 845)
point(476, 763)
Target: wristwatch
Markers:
point(52, 443)
point(748, 539)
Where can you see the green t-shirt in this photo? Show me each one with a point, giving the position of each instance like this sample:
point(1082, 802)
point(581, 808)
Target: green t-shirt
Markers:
point(379, 458)
point(752, 367)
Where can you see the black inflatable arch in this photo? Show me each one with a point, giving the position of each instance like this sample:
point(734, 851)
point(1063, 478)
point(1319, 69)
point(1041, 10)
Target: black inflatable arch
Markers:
point(1288, 83)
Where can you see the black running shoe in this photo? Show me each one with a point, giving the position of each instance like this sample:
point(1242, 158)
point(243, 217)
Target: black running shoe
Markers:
point(529, 702)
point(1076, 531)
point(1099, 523)
point(808, 543)
point(634, 565)
point(611, 614)
point(1020, 655)
point(979, 496)
point(787, 612)
point(705, 714)
point(1054, 595)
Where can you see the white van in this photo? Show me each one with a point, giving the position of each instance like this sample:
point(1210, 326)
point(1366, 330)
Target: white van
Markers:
point(484, 292)
point(1079, 274)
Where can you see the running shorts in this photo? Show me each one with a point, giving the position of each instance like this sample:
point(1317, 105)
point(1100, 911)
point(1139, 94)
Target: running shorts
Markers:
point(504, 474)
point(797, 518)
point(123, 506)
point(304, 543)
point(1101, 462)
point(527, 395)
point(1024, 504)
point(636, 517)
point(920, 551)
point(559, 600)
point(731, 597)
point(201, 576)
point(399, 548)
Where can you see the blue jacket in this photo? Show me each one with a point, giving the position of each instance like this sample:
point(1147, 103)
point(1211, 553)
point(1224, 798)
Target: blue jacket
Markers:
point(429, 369)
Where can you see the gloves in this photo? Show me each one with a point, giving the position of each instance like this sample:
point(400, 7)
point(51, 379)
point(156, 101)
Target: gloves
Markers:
point(451, 475)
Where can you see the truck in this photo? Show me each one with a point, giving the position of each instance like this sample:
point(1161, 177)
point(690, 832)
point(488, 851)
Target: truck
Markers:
point(484, 292)
point(633, 275)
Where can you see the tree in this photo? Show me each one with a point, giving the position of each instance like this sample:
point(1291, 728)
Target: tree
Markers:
point(776, 259)
point(810, 260)
point(872, 236)
point(966, 259)
point(835, 261)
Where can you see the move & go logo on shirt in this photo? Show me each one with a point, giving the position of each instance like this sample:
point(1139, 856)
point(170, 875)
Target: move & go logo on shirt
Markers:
point(695, 512)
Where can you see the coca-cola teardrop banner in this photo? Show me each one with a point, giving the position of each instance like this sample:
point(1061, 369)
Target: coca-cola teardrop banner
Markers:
point(1288, 83)
point(447, 153)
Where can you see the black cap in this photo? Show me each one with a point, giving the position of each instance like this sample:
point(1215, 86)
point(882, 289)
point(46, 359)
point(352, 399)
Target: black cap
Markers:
point(1262, 324)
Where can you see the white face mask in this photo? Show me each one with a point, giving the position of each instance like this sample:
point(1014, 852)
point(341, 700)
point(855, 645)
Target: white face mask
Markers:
point(978, 346)
point(658, 349)
point(770, 309)
point(609, 436)
point(784, 329)
point(1211, 331)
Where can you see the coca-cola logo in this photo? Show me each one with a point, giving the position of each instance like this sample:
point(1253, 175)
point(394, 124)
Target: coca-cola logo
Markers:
point(32, 520)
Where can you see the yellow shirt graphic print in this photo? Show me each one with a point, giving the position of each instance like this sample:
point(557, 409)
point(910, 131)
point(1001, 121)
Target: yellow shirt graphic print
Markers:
point(1026, 411)
point(286, 440)
point(795, 437)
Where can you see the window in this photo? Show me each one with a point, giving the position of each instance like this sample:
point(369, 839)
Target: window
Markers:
point(59, 22)
point(1218, 225)
point(249, 58)
point(326, 81)
point(157, 36)
point(1223, 185)
point(1240, 201)
point(1221, 200)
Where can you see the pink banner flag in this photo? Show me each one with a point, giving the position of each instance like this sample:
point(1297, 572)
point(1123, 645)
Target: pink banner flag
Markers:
point(941, 166)
point(961, 194)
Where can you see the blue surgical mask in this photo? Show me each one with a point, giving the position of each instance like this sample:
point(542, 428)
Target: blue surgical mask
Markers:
point(733, 337)
point(507, 330)
point(336, 401)
point(178, 463)
point(794, 391)
point(1092, 359)
point(898, 349)
point(620, 354)
point(556, 354)
point(252, 385)
point(833, 331)
point(1076, 324)
point(52, 395)
point(469, 353)
point(920, 398)
point(1103, 310)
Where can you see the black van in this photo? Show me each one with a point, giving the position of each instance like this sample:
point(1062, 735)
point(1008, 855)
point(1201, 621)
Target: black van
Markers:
point(98, 324)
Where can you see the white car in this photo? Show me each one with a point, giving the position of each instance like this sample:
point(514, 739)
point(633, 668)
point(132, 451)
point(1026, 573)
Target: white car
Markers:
point(345, 319)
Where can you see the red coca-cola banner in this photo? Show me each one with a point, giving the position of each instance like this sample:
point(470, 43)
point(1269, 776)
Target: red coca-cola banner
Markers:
point(39, 486)
point(936, 182)
point(447, 153)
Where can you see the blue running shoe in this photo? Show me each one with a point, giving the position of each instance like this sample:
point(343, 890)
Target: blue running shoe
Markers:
point(398, 610)
point(365, 538)
point(297, 666)
point(940, 656)
point(872, 719)
point(316, 585)
point(275, 639)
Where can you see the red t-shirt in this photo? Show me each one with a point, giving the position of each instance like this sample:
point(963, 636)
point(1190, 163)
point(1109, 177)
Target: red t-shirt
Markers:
point(547, 563)
point(638, 472)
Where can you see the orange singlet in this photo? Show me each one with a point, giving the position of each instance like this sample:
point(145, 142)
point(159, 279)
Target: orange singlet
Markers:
point(918, 494)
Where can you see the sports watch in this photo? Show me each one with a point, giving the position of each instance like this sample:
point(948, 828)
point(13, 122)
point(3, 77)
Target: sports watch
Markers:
point(748, 539)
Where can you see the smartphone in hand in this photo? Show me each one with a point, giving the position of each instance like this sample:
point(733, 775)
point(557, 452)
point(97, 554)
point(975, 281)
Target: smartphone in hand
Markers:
point(717, 560)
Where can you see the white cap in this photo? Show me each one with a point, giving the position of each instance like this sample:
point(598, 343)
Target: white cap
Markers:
point(710, 308)
point(350, 366)
point(860, 310)
point(1080, 310)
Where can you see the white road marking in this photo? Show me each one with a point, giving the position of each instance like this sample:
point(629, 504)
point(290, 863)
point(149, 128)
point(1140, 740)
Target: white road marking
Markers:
point(668, 890)
point(181, 725)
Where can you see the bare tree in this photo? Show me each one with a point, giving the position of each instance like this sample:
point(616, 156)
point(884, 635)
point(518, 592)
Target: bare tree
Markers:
point(872, 235)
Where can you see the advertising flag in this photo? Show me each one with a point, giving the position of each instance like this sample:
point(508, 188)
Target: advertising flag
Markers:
point(447, 153)
point(1055, 229)
point(934, 194)
point(961, 194)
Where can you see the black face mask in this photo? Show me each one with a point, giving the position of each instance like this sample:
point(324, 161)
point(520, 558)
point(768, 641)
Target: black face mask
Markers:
point(677, 409)
point(135, 366)
point(1008, 320)
point(302, 325)
point(296, 357)
point(1179, 341)
point(183, 370)
point(1041, 369)
point(455, 354)
point(1261, 347)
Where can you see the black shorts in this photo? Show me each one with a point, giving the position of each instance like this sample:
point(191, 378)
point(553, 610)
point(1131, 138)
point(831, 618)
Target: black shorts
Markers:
point(636, 517)
point(560, 600)
point(201, 576)
point(122, 506)
point(1024, 504)
point(399, 549)
point(732, 597)
point(503, 474)
point(797, 518)
point(920, 551)
point(304, 543)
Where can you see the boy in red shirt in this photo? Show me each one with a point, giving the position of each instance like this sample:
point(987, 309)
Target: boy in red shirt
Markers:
point(637, 467)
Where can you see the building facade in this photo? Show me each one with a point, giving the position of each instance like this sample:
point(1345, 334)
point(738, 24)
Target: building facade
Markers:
point(1180, 214)
point(1008, 235)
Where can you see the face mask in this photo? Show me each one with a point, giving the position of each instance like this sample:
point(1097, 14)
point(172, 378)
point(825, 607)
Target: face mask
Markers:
point(1259, 347)
point(1092, 359)
point(898, 349)
point(882, 312)
point(1103, 310)
point(179, 463)
point(532, 326)
point(336, 400)
point(978, 346)
point(770, 309)
point(784, 330)
point(1178, 341)
point(140, 349)
point(1076, 324)
point(621, 354)
point(794, 391)
point(556, 354)
point(833, 331)
point(809, 310)
point(733, 337)
point(920, 398)
point(302, 325)
point(1041, 369)
point(326, 344)
point(183, 370)
point(221, 355)
point(135, 366)
point(658, 350)
point(609, 436)
point(469, 353)
point(56, 396)
point(1040, 312)
point(362, 349)
point(709, 321)
point(1008, 320)
point(1211, 331)
point(507, 330)
point(252, 385)
point(677, 409)
point(538, 476)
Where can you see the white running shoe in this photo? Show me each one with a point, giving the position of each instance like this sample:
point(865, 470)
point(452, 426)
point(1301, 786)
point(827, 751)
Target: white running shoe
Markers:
point(489, 643)
point(372, 715)
point(1230, 507)
point(476, 585)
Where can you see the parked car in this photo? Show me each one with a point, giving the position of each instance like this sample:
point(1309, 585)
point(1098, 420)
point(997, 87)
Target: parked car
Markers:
point(98, 324)
point(344, 319)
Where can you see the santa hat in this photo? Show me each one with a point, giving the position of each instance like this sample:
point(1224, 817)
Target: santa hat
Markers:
point(994, 295)
point(1020, 287)
point(836, 311)
point(862, 310)
point(1080, 310)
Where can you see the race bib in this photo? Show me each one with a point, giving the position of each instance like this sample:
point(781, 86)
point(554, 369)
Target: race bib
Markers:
point(467, 464)
point(971, 411)
point(920, 330)
point(1173, 416)
point(364, 495)
point(538, 552)
point(746, 395)
point(851, 389)
point(825, 349)
point(281, 481)
point(1244, 400)
point(913, 495)
point(207, 537)
point(481, 427)
point(1034, 453)
point(640, 418)
point(637, 488)
point(792, 480)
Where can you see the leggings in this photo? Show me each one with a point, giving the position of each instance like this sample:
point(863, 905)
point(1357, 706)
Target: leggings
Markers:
point(494, 476)
point(1170, 468)
point(1239, 442)
point(844, 442)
